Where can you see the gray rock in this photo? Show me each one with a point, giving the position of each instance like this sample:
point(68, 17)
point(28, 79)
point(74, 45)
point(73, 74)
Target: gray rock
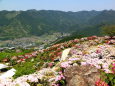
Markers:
point(77, 80)
point(81, 75)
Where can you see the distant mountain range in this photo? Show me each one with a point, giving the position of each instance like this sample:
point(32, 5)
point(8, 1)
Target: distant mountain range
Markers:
point(16, 24)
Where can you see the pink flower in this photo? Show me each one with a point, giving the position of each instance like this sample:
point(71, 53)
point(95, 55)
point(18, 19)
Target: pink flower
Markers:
point(84, 63)
point(113, 68)
point(101, 83)
point(113, 64)
point(26, 57)
point(60, 72)
point(73, 51)
point(55, 84)
point(98, 51)
point(98, 66)
point(50, 64)
point(18, 61)
point(76, 41)
point(32, 78)
point(105, 66)
point(107, 71)
point(62, 76)
point(22, 59)
point(58, 78)
point(65, 64)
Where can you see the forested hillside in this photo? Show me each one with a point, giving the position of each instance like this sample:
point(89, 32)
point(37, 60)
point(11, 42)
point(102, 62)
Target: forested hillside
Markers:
point(16, 24)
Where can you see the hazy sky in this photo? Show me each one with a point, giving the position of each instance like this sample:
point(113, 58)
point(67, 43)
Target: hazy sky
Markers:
point(64, 5)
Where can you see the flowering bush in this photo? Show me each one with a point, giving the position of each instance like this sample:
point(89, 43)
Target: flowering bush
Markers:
point(59, 80)
point(109, 77)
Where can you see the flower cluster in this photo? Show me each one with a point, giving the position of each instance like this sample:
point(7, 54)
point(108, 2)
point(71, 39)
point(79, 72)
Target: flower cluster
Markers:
point(59, 80)
point(101, 83)
point(65, 64)
point(23, 58)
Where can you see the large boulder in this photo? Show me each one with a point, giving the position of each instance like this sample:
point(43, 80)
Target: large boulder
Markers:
point(81, 75)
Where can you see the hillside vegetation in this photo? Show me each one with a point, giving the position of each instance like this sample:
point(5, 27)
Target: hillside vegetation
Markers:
point(17, 24)
point(89, 61)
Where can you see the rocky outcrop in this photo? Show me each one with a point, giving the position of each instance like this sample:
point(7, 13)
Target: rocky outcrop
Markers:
point(65, 54)
point(81, 75)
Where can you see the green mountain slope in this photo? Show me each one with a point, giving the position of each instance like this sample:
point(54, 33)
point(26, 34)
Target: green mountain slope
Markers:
point(16, 24)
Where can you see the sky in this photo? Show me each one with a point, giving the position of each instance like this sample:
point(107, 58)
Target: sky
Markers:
point(63, 5)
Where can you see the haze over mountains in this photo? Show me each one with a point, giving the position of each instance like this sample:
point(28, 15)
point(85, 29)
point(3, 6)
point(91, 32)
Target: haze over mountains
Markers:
point(16, 24)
